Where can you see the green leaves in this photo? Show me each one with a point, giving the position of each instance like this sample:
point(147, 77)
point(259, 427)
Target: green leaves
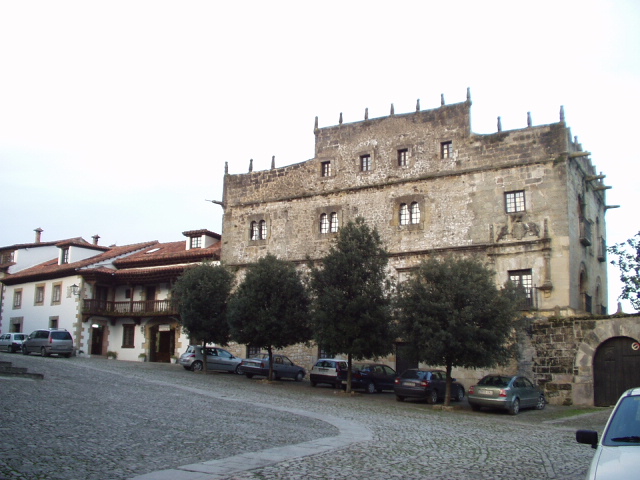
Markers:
point(628, 262)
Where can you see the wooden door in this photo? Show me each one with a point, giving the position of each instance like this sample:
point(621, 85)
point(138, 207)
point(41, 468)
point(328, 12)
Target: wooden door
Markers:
point(616, 368)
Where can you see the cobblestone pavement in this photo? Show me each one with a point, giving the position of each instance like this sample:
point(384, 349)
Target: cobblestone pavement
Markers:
point(104, 419)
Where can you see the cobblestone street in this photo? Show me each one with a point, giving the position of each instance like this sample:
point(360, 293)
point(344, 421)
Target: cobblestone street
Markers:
point(95, 419)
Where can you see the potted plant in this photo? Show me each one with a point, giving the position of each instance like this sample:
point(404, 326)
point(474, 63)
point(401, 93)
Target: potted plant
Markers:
point(143, 357)
point(112, 355)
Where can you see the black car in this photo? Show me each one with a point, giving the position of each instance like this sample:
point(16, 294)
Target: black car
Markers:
point(372, 377)
point(429, 385)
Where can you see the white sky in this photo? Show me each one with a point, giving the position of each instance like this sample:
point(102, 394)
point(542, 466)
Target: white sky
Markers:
point(116, 117)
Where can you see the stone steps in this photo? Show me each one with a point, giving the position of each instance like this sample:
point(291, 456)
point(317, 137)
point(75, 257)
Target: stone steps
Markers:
point(8, 370)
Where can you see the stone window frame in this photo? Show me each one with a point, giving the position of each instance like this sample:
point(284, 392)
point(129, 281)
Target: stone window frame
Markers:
point(258, 231)
point(409, 201)
point(330, 213)
point(523, 277)
point(512, 204)
point(408, 157)
point(326, 168)
point(38, 295)
point(15, 324)
point(56, 293)
point(17, 298)
point(54, 322)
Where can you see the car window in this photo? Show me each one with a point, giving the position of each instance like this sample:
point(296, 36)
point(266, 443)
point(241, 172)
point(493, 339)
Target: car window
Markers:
point(624, 427)
point(342, 365)
point(495, 381)
point(527, 383)
point(286, 361)
point(21, 336)
point(191, 349)
point(3, 337)
point(412, 374)
point(61, 335)
point(388, 370)
point(224, 353)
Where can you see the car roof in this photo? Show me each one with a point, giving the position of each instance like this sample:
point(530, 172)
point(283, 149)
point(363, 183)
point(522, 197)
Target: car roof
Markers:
point(632, 392)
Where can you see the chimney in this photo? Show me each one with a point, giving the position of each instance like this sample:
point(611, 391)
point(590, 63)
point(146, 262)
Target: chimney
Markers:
point(38, 234)
point(96, 237)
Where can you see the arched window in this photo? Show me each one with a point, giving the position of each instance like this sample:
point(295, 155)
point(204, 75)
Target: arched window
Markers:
point(324, 223)
point(415, 213)
point(254, 233)
point(404, 214)
point(333, 223)
point(263, 230)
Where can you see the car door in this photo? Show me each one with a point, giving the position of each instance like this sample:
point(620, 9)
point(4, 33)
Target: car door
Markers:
point(520, 390)
point(284, 366)
point(225, 360)
point(4, 340)
point(388, 377)
point(439, 382)
point(212, 359)
point(531, 392)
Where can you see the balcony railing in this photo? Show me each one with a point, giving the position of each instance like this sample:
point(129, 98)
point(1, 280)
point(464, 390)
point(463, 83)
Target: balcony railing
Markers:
point(133, 308)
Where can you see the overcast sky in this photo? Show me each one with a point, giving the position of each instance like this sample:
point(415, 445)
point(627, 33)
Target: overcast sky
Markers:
point(116, 118)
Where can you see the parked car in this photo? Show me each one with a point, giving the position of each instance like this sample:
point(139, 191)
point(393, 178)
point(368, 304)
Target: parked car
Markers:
point(506, 392)
point(618, 451)
point(282, 367)
point(372, 377)
point(217, 359)
point(55, 341)
point(12, 342)
point(429, 385)
point(326, 371)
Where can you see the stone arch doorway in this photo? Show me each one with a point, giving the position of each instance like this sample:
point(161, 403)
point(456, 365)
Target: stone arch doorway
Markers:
point(616, 368)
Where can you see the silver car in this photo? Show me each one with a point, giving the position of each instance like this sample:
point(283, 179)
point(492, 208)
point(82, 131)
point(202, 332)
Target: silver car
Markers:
point(217, 359)
point(12, 342)
point(507, 392)
point(326, 370)
point(55, 341)
point(618, 451)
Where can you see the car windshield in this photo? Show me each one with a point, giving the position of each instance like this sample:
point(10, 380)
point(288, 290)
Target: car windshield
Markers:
point(624, 428)
point(495, 381)
point(61, 335)
point(20, 336)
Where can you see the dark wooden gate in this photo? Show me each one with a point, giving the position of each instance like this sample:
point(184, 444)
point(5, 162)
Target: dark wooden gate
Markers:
point(616, 368)
point(404, 358)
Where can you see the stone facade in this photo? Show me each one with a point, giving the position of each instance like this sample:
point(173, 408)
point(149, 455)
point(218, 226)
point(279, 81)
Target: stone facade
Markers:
point(528, 202)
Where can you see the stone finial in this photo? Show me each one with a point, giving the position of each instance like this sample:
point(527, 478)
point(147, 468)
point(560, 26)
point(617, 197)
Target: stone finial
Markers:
point(392, 112)
point(273, 162)
point(340, 121)
point(251, 165)
point(528, 119)
point(315, 127)
point(575, 139)
point(418, 105)
point(442, 99)
point(96, 237)
point(468, 94)
point(562, 113)
point(226, 168)
point(499, 124)
point(366, 113)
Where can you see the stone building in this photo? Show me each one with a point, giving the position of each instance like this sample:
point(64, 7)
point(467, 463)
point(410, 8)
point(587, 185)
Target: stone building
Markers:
point(529, 202)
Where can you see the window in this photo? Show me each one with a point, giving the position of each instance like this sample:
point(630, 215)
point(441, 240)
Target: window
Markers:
point(39, 297)
point(446, 150)
point(128, 333)
point(263, 230)
point(56, 293)
point(195, 242)
point(524, 279)
point(252, 351)
point(127, 293)
point(514, 201)
point(255, 233)
point(258, 230)
point(325, 169)
point(365, 163)
point(333, 222)
point(324, 223)
point(404, 214)
point(17, 298)
point(65, 256)
point(409, 214)
point(403, 155)
point(53, 322)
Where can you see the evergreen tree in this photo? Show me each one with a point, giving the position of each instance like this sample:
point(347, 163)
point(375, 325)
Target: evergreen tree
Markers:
point(628, 262)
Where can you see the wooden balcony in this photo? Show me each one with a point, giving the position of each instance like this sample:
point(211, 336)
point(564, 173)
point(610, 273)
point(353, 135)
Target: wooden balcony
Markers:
point(142, 308)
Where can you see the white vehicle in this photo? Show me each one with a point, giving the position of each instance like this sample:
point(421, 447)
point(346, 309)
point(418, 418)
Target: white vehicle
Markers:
point(618, 451)
point(12, 342)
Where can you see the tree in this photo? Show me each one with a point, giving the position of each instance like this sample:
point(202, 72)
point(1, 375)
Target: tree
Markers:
point(351, 309)
point(201, 295)
point(270, 308)
point(628, 262)
point(452, 314)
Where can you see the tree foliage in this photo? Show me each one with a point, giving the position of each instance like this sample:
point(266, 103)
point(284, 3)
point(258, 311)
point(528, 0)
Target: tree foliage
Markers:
point(452, 314)
point(628, 262)
point(351, 311)
point(270, 308)
point(201, 294)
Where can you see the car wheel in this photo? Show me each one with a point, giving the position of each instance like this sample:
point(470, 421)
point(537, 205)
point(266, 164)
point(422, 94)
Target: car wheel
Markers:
point(67, 355)
point(370, 388)
point(248, 375)
point(433, 397)
point(338, 384)
point(25, 351)
point(299, 376)
point(459, 394)
point(196, 366)
point(237, 370)
point(10, 349)
point(399, 398)
point(541, 403)
point(313, 384)
point(515, 407)
point(43, 352)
